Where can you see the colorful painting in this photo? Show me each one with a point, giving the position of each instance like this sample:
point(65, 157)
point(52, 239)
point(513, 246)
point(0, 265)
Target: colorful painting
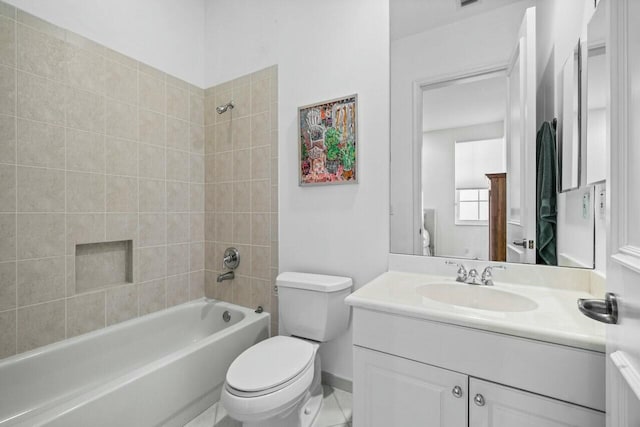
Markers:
point(329, 142)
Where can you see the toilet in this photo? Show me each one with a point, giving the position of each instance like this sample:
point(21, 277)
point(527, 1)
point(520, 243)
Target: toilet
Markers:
point(276, 382)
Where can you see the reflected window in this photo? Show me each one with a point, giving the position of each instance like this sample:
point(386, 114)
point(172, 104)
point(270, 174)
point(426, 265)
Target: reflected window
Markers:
point(472, 206)
point(473, 160)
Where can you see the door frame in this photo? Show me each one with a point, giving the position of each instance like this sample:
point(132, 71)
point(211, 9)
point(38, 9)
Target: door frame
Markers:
point(623, 262)
point(419, 87)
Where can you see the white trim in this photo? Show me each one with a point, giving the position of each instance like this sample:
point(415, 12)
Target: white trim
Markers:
point(567, 260)
point(630, 250)
point(467, 76)
point(623, 252)
point(416, 153)
point(627, 370)
point(619, 130)
point(629, 261)
point(515, 249)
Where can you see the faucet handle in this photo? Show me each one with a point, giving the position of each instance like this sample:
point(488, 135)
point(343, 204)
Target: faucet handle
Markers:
point(487, 274)
point(462, 271)
point(231, 258)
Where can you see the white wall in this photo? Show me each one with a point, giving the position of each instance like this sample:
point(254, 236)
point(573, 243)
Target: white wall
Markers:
point(241, 37)
point(438, 189)
point(166, 34)
point(484, 40)
point(323, 50)
point(575, 232)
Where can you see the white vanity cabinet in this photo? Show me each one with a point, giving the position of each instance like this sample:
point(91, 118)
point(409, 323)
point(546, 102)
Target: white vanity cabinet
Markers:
point(393, 391)
point(406, 371)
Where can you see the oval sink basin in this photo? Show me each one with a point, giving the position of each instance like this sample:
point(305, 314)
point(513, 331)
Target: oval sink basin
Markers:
point(474, 296)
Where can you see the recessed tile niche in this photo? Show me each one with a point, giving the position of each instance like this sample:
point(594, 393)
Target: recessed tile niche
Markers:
point(103, 264)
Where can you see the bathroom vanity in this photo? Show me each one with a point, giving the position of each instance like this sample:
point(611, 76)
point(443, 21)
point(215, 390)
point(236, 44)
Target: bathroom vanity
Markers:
point(430, 351)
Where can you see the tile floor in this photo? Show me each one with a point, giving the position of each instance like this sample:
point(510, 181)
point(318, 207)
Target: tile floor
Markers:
point(336, 412)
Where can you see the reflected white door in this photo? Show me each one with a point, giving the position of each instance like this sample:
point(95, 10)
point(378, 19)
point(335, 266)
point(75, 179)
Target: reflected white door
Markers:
point(521, 144)
point(623, 267)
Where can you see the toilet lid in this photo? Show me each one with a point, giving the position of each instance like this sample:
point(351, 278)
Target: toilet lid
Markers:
point(269, 364)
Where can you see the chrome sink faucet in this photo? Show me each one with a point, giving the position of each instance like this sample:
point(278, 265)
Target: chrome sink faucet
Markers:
point(487, 274)
point(462, 272)
point(471, 276)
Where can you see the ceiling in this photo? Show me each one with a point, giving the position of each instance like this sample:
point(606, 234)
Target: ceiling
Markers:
point(409, 17)
point(464, 104)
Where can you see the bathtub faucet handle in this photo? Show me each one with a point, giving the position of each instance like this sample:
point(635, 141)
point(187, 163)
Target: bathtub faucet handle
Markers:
point(231, 258)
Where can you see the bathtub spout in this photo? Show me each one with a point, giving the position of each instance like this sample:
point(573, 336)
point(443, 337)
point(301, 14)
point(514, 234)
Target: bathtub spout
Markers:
point(229, 275)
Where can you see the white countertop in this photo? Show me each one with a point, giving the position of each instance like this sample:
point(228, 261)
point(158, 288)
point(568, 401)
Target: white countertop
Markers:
point(555, 320)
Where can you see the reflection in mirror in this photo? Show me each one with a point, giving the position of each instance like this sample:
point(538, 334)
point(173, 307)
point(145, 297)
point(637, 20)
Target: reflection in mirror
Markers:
point(462, 142)
point(513, 142)
point(597, 83)
point(470, 86)
point(569, 122)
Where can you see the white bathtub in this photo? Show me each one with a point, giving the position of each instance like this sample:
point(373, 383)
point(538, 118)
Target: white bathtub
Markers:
point(159, 369)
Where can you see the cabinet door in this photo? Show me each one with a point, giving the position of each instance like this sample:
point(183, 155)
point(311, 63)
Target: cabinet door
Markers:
point(502, 406)
point(392, 391)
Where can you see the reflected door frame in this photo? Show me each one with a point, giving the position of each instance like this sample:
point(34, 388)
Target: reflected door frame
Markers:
point(522, 228)
point(419, 87)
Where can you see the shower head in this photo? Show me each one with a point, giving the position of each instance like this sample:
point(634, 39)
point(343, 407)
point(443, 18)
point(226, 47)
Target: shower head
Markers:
point(224, 107)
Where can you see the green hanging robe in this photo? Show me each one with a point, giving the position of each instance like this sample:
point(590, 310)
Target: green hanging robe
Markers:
point(546, 221)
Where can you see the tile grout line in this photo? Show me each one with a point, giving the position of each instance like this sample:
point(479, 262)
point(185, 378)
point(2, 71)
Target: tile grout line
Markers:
point(66, 231)
point(104, 150)
point(135, 267)
point(15, 155)
point(190, 213)
point(341, 408)
point(166, 162)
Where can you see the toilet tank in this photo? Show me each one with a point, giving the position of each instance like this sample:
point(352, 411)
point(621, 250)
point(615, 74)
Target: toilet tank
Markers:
point(312, 305)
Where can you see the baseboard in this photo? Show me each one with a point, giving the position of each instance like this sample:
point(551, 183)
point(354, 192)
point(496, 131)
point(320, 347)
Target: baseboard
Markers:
point(337, 382)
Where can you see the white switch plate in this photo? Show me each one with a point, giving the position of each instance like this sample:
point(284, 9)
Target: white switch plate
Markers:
point(602, 202)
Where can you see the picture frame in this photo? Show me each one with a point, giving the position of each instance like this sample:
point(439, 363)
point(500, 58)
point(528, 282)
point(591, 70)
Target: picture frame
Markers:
point(328, 142)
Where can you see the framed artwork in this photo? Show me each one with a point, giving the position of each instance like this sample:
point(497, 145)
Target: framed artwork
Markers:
point(328, 142)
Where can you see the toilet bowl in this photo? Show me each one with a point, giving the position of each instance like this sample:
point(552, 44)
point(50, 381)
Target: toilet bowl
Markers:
point(273, 384)
point(276, 382)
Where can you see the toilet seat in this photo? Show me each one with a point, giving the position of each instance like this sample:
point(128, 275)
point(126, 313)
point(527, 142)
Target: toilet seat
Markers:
point(277, 372)
point(269, 366)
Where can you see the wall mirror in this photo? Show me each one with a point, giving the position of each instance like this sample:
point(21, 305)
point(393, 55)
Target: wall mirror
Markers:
point(569, 133)
point(470, 88)
point(596, 94)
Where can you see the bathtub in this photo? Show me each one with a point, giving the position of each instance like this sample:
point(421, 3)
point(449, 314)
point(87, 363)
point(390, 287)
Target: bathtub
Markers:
point(160, 369)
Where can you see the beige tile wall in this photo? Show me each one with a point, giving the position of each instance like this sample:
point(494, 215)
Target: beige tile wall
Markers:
point(94, 147)
point(241, 206)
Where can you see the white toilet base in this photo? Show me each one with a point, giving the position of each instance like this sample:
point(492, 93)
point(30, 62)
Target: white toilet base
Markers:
point(309, 412)
point(303, 413)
